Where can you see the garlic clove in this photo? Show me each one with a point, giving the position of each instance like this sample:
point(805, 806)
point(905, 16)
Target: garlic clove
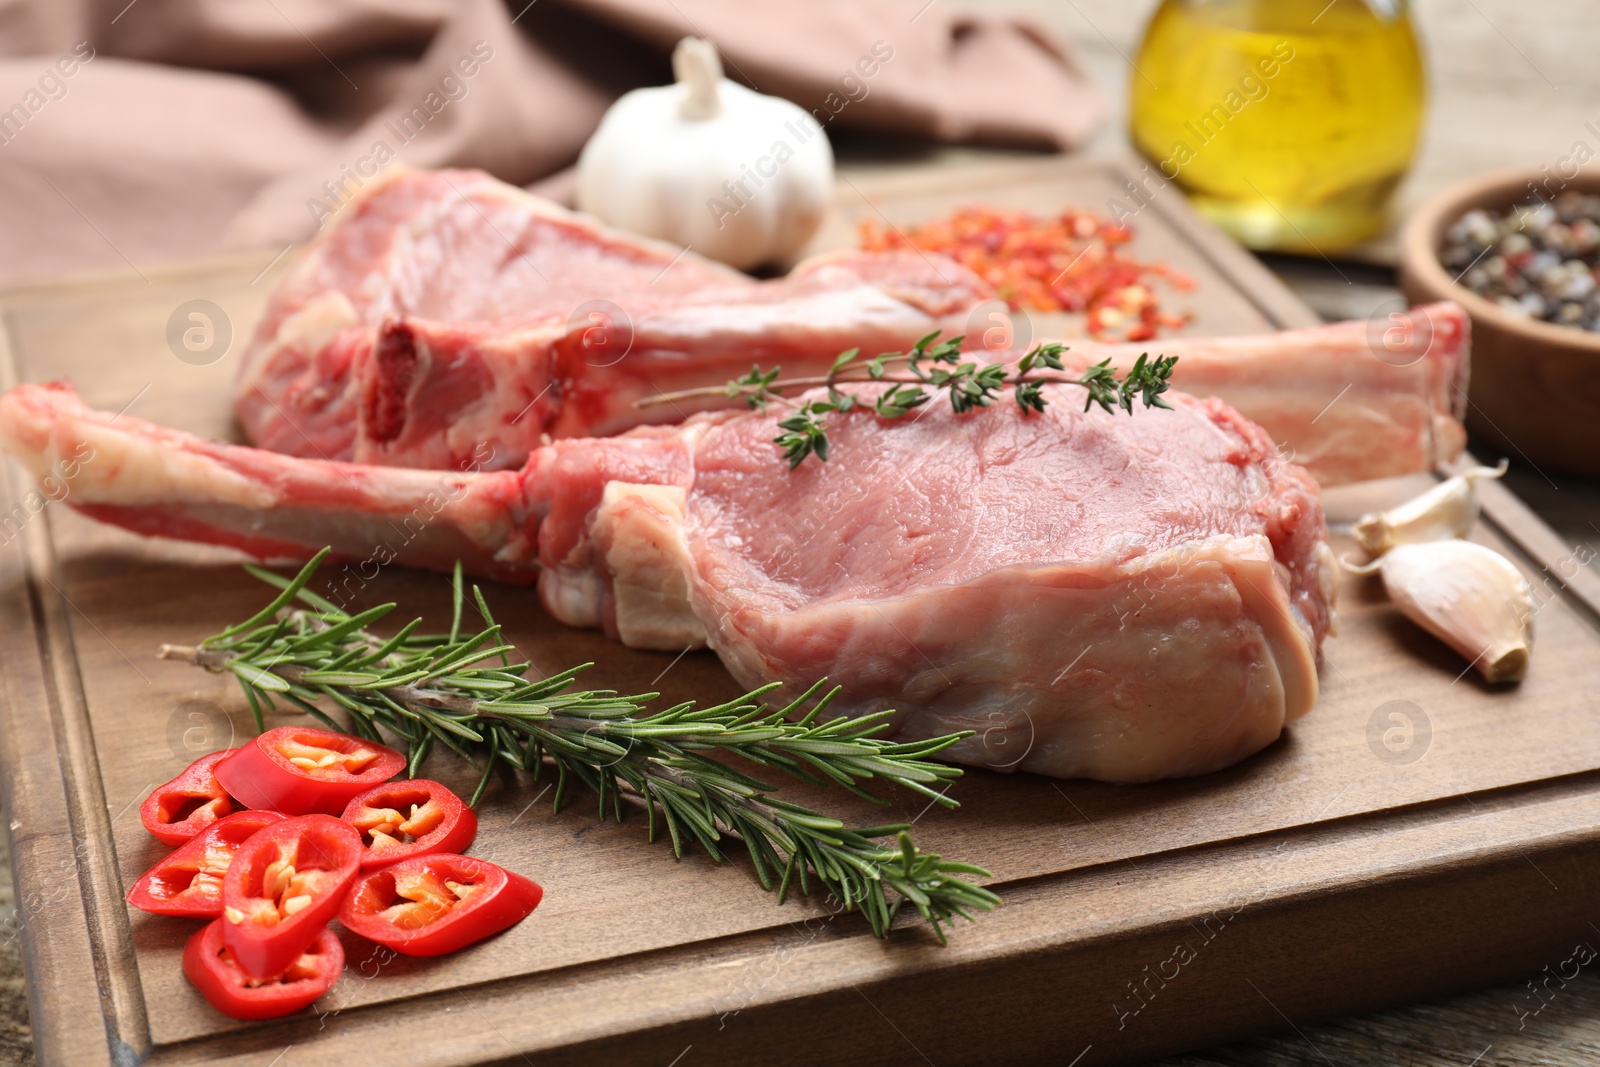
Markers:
point(1470, 597)
point(1447, 510)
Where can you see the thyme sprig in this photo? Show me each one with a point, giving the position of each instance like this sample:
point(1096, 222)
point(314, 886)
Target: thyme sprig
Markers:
point(465, 692)
point(933, 365)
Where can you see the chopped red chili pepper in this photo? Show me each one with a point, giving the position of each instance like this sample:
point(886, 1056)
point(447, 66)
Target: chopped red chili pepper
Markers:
point(299, 770)
point(431, 905)
point(283, 886)
point(1075, 261)
point(398, 820)
point(189, 881)
point(180, 809)
point(211, 966)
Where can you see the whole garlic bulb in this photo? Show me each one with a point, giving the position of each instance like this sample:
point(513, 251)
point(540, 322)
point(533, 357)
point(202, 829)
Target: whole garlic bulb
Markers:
point(708, 164)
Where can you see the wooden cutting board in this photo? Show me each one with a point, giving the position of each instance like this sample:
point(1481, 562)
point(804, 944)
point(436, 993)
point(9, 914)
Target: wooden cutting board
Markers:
point(1418, 832)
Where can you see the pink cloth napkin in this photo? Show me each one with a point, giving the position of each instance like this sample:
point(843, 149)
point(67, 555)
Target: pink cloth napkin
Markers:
point(136, 133)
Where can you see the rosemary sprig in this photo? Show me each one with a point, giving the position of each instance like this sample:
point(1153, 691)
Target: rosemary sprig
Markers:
point(932, 365)
point(464, 692)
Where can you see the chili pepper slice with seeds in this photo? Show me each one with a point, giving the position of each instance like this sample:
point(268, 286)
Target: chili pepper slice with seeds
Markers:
point(189, 881)
point(431, 905)
point(211, 966)
point(283, 886)
point(398, 820)
point(301, 770)
point(179, 810)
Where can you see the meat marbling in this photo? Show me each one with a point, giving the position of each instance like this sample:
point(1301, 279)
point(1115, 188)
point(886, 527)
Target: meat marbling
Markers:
point(1114, 597)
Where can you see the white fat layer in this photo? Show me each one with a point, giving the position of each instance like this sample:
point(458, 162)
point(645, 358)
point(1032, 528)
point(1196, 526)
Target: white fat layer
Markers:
point(307, 330)
point(572, 596)
point(319, 321)
point(641, 527)
point(1172, 664)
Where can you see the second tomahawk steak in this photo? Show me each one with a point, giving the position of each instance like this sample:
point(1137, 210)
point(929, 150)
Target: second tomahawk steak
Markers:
point(444, 316)
point(442, 311)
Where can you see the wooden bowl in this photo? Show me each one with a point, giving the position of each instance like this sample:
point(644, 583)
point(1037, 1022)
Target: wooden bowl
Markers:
point(1535, 387)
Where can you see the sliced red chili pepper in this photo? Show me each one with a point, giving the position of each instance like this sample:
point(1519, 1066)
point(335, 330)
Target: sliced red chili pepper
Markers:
point(430, 905)
point(284, 884)
point(299, 770)
point(211, 966)
point(399, 820)
point(189, 881)
point(176, 812)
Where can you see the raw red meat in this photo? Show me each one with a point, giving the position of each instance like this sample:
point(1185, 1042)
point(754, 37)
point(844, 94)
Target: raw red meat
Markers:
point(448, 320)
point(1115, 597)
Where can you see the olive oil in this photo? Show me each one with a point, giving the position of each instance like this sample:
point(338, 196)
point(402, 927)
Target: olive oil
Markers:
point(1288, 122)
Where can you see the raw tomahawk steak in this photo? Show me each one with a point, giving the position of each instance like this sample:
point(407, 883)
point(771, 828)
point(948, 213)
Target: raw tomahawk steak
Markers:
point(1114, 597)
point(448, 320)
point(442, 311)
